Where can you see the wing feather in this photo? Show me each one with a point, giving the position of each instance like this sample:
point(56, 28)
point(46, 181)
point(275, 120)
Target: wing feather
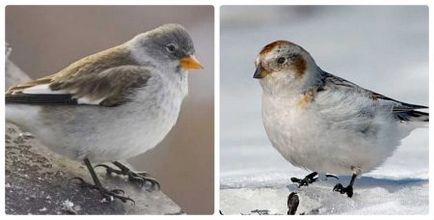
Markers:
point(401, 110)
point(106, 78)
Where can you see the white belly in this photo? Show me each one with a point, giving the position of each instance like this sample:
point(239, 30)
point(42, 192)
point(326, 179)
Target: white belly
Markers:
point(307, 140)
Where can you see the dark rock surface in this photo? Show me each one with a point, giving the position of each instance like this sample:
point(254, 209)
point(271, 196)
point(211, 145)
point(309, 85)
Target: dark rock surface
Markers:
point(39, 182)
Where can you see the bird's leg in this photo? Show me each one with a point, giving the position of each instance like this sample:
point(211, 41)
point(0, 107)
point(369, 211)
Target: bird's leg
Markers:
point(109, 195)
point(140, 178)
point(306, 180)
point(346, 190)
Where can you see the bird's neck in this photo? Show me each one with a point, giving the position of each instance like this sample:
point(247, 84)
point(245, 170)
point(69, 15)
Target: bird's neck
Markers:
point(178, 81)
point(283, 87)
point(314, 78)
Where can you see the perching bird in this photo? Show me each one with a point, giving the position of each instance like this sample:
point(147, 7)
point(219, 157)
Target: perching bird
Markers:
point(324, 123)
point(111, 105)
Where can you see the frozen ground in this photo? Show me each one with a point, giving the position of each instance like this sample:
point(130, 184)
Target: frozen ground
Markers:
point(383, 49)
point(372, 196)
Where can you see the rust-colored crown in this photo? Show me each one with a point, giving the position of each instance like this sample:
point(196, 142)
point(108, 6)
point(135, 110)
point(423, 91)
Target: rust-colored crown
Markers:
point(269, 47)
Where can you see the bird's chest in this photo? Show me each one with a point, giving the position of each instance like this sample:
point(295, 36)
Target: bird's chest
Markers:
point(160, 107)
point(165, 107)
point(288, 122)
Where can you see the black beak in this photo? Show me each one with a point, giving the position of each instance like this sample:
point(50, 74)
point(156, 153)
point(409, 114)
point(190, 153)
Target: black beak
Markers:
point(260, 72)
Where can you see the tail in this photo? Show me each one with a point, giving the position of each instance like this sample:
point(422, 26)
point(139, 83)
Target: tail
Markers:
point(22, 98)
point(413, 116)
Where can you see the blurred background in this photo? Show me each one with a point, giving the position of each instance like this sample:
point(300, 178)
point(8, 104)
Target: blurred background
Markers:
point(44, 39)
point(381, 48)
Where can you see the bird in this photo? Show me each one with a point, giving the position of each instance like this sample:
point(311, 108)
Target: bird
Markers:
point(326, 124)
point(111, 105)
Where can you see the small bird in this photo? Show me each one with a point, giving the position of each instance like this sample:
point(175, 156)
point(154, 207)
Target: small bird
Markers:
point(324, 123)
point(111, 105)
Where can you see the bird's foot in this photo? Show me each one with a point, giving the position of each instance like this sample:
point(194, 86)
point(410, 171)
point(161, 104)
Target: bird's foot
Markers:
point(331, 176)
point(344, 190)
point(141, 179)
point(108, 195)
point(306, 180)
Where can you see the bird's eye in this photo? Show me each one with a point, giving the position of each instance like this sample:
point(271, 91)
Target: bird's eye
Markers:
point(171, 47)
point(281, 60)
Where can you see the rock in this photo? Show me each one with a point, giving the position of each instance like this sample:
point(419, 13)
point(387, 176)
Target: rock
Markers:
point(39, 181)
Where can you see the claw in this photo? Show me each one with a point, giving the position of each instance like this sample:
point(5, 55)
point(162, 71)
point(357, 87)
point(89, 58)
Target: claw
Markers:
point(344, 190)
point(118, 191)
point(77, 178)
point(102, 165)
point(109, 195)
point(332, 176)
point(306, 180)
point(338, 187)
point(82, 183)
point(143, 173)
point(140, 178)
point(295, 180)
point(109, 170)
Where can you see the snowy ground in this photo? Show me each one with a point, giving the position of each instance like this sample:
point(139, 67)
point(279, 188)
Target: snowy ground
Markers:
point(372, 196)
point(384, 49)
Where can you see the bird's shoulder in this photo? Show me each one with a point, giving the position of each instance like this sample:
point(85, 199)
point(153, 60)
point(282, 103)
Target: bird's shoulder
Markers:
point(98, 62)
point(339, 87)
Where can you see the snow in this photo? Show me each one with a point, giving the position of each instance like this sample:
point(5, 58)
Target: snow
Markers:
point(384, 49)
point(372, 196)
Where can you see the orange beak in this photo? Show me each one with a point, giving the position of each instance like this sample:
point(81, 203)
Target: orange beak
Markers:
point(190, 63)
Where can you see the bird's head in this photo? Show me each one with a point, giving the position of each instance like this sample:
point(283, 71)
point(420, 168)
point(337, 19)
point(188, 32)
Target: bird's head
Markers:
point(168, 45)
point(281, 64)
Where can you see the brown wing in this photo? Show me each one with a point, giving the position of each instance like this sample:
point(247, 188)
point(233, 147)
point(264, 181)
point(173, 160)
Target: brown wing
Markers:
point(92, 64)
point(105, 78)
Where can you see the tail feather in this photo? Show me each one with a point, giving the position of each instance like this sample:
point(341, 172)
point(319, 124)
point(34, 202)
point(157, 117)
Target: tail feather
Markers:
point(22, 98)
point(413, 116)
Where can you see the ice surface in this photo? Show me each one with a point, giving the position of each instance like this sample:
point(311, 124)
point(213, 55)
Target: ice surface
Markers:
point(384, 49)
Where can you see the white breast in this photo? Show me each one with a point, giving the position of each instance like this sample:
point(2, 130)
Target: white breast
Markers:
point(308, 139)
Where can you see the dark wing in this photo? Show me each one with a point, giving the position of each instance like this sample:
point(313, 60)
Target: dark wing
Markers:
point(63, 99)
point(405, 111)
